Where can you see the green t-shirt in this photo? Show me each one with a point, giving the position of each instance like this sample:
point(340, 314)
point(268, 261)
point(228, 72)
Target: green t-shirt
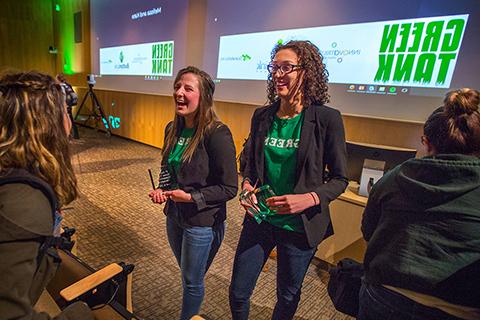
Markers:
point(281, 145)
point(175, 156)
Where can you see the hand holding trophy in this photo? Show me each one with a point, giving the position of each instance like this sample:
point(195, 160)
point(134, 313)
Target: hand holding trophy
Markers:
point(166, 181)
point(255, 202)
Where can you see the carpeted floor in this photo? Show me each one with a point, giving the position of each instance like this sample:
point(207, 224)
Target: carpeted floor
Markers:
point(116, 221)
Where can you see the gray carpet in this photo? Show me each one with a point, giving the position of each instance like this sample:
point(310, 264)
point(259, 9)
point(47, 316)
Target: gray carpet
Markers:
point(116, 221)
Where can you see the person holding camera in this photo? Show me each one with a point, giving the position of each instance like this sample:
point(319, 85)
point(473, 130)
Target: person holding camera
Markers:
point(36, 180)
point(71, 99)
point(198, 177)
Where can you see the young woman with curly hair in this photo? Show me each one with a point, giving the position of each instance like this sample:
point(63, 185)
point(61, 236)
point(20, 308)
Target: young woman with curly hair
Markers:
point(293, 140)
point(36, 180)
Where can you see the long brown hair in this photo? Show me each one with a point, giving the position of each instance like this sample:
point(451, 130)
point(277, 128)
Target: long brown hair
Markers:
point(314, 86)
point(455, 127)
point(32, 132)
point(205, 117)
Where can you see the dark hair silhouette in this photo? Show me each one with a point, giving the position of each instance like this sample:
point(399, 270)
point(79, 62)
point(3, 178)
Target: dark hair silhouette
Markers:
point(455, 127)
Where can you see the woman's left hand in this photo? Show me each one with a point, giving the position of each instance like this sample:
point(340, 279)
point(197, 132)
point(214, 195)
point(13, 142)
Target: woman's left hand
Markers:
point(290, 203)
point(178, 195)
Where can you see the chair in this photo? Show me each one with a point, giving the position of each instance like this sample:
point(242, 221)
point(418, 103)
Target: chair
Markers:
point(107, 291)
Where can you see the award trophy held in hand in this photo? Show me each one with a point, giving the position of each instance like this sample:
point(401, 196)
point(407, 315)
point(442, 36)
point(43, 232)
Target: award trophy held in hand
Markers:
point(256, 199)
point(167, 178)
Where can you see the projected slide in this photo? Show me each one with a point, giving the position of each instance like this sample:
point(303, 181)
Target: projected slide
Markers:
point(154, 59)
point(385, 59)
point(138, 46)
point(419, 52)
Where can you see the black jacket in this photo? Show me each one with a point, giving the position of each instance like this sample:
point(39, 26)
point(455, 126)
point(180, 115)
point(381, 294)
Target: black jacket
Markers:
point(210, 177)
point(322, 144)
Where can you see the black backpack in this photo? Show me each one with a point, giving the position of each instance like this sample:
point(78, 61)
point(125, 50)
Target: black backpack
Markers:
point(344, 286)
point(24, 177)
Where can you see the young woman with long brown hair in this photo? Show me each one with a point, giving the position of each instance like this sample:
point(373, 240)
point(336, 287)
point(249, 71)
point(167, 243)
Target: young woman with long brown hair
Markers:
point(36, 180)
point(200, 153)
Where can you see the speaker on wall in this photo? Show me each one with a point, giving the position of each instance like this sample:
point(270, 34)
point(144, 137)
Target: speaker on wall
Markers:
point(77, 26)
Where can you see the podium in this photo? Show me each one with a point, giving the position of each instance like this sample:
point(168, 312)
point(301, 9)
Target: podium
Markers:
point(347, 241)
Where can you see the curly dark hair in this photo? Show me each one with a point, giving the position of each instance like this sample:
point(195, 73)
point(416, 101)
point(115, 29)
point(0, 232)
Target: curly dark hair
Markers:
point(314, 87)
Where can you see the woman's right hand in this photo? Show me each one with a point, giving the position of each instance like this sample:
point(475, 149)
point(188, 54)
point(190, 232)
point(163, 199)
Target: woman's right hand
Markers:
point(157, 196)
point(247, 187)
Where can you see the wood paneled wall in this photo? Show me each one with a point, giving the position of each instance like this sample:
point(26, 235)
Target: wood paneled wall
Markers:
point(143, 118)
point(29, 27)
point(383, 131)
point(26, 33)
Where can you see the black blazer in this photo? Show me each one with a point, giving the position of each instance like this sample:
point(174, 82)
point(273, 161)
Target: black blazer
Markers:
point(322, 144)
point(210, 177)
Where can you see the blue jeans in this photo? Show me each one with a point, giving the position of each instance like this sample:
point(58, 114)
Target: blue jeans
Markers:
point(378, 302)
point(194, 248)
point(254, 246)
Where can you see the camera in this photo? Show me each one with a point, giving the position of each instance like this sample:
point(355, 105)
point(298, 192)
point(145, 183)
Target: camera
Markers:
point(91, 79)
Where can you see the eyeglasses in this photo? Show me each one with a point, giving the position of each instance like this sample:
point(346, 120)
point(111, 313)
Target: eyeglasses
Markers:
point(284, 68)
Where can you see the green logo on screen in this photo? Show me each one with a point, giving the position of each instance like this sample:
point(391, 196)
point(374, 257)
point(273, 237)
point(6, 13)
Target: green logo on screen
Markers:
point(422, 52)
point(162, 58)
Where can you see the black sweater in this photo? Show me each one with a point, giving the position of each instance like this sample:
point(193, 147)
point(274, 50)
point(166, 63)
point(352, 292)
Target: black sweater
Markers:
point(422, 224)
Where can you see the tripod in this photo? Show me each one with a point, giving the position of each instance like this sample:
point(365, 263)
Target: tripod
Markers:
point(97, 110)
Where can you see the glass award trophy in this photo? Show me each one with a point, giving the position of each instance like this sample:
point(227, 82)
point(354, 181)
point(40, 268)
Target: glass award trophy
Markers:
point(167, 178)
point(258, 208)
